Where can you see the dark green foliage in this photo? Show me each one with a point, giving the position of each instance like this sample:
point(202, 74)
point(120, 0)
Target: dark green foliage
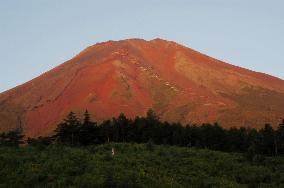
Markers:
point(265, 141)
point(40, 142)
point(12, 138)
point(68, 131)
point(134, 166)
point(88, 132)
point(121, 125)
point(51, 162)
point(150, 145)
point(280, 138)
point(251, 152)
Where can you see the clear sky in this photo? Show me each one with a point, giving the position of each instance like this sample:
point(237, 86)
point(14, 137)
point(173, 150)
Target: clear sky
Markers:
point(37, 35)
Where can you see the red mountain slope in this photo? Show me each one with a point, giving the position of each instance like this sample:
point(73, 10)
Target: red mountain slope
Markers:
point(131, 76)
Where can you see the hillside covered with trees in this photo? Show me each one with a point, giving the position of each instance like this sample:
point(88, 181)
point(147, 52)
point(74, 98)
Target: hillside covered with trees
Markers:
point(75, 132)
point(72, 131)
point(143, 152)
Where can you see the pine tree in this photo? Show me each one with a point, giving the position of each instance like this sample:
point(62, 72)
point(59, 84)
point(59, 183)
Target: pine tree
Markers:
point(151, 127)
point(88, 131)
point(268, 140)
point(121, 125)
point(152, 116)
point(67, 132)
point(280, 137)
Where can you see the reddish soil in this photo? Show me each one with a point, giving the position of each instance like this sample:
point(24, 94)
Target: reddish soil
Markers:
point(131, 76)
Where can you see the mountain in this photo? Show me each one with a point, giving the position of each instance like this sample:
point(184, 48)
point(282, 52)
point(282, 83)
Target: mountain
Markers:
point(131, 76)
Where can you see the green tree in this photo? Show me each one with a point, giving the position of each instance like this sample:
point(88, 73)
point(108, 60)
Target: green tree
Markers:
point(121, 125)
point(106, 131)
point(280, 137)
point(88, 133)
point(11, 138)
point(267, 144)
point(152, 116)
point(151, 126)
point(67, 132)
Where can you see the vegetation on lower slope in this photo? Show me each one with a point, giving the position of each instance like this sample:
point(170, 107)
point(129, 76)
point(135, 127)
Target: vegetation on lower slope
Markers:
point(80, 154)
point(134, 165)
point(75, 132)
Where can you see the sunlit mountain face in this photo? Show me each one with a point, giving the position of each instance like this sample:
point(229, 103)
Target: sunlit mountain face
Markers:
point(132, 76)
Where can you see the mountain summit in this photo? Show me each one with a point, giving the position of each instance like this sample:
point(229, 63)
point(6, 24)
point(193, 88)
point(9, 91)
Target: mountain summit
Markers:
point(131, 76)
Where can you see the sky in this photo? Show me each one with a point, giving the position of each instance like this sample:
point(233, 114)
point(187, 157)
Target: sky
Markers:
point(37, 35)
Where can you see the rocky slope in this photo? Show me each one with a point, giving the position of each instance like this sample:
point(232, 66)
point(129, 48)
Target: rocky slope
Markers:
point(131, 76)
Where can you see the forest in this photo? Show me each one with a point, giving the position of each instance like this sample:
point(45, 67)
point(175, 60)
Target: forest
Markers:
point(149, 129)
point(143, 152)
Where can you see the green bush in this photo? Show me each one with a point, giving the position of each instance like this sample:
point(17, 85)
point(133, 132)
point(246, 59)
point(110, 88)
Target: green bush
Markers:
point(134, 165)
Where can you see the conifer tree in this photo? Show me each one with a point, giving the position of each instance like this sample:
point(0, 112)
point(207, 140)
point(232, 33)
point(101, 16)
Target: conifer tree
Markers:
point(67, 132)
point(121, 125)
point(280, 138)
point(88, 131)
point(267, 145)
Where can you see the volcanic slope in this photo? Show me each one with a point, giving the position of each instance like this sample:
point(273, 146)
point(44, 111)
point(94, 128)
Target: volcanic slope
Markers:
point(131, 76)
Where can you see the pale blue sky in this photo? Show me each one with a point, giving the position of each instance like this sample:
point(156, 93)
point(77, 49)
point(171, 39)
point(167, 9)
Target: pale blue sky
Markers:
point(37, 35)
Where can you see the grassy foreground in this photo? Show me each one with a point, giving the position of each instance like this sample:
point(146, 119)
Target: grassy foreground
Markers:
point(134, 165)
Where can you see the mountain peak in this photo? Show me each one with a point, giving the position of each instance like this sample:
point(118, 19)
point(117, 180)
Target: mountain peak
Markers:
point(132, 75)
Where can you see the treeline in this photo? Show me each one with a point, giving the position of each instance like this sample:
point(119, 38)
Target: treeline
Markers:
point(12, 138)
point(75, 132)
